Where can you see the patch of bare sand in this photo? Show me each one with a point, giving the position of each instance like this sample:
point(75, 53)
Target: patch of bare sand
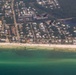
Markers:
point(39, 46)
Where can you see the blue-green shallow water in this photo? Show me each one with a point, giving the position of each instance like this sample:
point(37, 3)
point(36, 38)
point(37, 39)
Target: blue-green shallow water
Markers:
point(39, 62)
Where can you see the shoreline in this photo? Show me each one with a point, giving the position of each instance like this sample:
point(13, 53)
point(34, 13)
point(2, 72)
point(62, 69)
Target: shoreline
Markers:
point(38, 46)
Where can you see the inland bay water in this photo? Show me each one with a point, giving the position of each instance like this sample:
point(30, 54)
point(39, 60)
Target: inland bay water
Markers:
point(37, 62)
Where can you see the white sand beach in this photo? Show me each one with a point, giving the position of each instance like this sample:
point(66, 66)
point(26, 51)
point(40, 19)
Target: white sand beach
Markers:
point(43, 46)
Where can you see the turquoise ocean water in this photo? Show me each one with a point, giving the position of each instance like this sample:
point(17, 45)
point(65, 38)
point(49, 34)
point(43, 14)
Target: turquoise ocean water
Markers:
point(39, 62)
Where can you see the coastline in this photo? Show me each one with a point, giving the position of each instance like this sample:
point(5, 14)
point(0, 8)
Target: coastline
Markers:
point(39, 46)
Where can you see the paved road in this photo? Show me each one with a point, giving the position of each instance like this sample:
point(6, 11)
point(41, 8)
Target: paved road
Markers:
point(12, 5)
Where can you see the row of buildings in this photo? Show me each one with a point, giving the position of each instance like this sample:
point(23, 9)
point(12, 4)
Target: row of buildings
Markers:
point(27, 13)
point(33, 25)
point(48, 32)
point(52, 4)
point(7, 27)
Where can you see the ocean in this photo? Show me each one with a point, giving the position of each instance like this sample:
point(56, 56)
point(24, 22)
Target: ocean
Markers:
point(37, 62)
